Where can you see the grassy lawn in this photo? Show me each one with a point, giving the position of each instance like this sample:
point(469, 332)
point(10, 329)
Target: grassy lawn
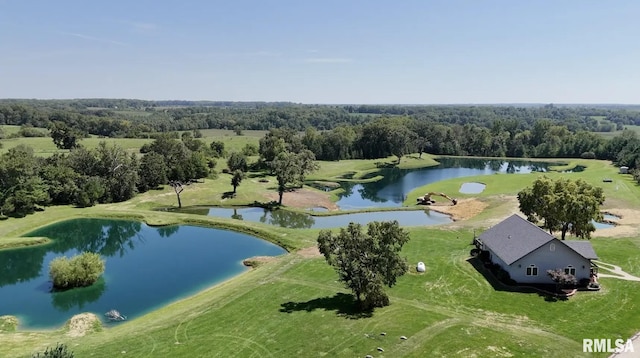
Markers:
point(294, 306)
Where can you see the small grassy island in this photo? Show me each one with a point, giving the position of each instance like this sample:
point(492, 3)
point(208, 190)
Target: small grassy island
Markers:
point(79, 271)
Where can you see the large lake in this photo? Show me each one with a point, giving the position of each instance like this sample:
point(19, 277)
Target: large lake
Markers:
point(146, 268)
point(392, 189)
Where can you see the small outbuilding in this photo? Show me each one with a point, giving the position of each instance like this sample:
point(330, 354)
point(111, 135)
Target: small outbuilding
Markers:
point(624, 170)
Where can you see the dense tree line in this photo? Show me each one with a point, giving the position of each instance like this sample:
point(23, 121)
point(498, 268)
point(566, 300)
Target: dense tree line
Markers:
point(401, 135)
point(85, 177)
point(135, 118)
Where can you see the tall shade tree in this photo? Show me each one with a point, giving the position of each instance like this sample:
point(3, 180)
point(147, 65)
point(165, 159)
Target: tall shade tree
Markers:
point(290, 168)
point(64, 136)
point(152, 172)
point(21, 189)
point(118, 170)
point(236, 179)
point(237, 161)
point(401, 140)
point(285, 167)
point(60, 178)
point(217, 149)
point(366, 261)
point(563, 205)
point(270, 147)
point(306, 164)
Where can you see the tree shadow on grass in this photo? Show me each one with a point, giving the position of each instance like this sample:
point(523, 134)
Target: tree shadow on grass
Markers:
point(228, 195)
point(501, 286)
point(382, 165)
point(344, 304)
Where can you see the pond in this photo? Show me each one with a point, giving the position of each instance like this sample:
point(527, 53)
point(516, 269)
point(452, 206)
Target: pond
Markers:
point(602, 225)
point(294, 220)
point(146, 268)
point(610, 217)
point(397, 183)
point(472, 188)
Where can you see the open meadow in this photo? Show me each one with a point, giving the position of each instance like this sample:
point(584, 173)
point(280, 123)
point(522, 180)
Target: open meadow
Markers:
point(44, 146)
point(294, 306)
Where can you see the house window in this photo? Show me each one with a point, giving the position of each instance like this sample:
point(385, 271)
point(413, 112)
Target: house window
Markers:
point(570, 270)
point(552, 247)
point(532, 270)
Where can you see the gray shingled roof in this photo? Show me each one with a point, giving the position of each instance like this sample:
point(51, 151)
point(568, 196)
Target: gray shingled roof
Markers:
point(583, 248)
point(515, 237)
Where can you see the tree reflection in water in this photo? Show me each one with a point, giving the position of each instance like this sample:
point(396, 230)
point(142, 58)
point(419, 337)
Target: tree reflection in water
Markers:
point(78, 297)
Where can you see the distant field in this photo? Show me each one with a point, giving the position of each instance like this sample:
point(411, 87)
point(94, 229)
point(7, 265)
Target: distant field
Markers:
point(7, 129)
point(610, 135)
point(44, 146)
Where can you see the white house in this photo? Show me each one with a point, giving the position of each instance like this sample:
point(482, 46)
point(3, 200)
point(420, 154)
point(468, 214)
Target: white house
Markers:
point(526, 252)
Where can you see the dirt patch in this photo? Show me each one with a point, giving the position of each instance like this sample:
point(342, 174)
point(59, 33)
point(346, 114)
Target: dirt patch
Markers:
point(304, 198)
point(257, 260)
point(465, 209)
point(309, 252)
point(81, 324)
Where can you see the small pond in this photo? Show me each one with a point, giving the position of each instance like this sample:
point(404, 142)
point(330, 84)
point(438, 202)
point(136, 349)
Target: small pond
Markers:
point(608, 221)
point(294, 220)
point(602, 225)
point(146, 268)
point(397, 183)
point(472, 188)
point(610, 217)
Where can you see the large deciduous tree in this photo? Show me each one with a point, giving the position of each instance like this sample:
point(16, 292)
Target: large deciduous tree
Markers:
point(152, 172)
point(563, 205)
point(401, 141)
point(285, 168)
point(236, 179)
point(366, 261)
point(237, 161)
point(64, 136)
point(21, 189)
point(290, 168)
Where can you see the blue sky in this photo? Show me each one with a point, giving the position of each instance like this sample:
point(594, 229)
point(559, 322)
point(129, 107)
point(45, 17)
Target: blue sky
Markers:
point(407, 52)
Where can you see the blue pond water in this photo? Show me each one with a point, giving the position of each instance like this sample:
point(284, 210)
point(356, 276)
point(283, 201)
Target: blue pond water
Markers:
point(284, 218)
point(146, 268)
point(610, 217)
point(600, 226)
point(397, 183)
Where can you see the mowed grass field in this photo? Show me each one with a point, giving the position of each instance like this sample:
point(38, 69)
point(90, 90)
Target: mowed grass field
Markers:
point(294, 306)
point(44, 146)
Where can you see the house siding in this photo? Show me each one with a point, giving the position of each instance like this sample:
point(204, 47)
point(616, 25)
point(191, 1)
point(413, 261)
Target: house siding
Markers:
point(496, 259)
point(546, 259)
